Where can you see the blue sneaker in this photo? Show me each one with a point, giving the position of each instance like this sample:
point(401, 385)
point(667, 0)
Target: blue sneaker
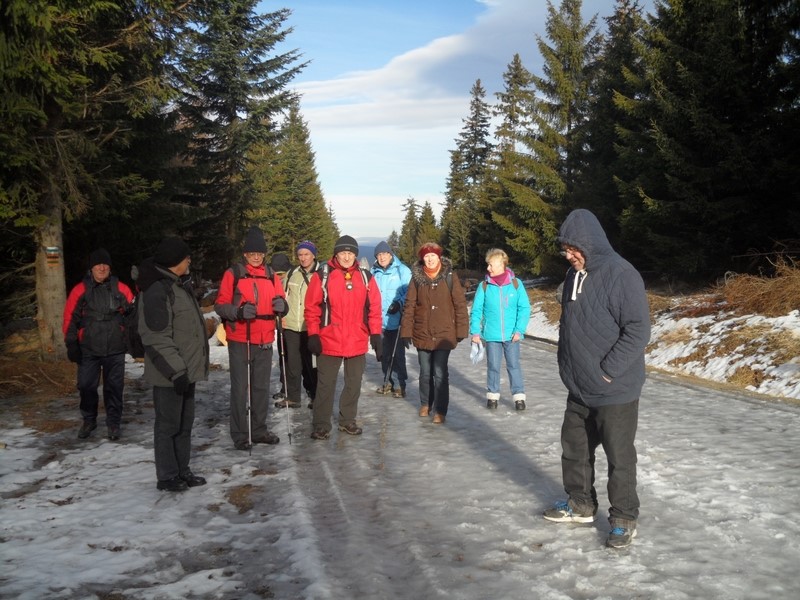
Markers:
point(621, 537)
point(562, 512)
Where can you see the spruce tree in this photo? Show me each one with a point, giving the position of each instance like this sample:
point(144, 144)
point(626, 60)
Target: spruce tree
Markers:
point(409, 233)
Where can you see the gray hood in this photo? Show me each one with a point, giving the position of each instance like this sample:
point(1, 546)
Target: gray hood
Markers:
point(582, 230)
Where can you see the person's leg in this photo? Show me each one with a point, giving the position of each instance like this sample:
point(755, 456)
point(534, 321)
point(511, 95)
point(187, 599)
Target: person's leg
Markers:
point(514, 368)
point(386, 358)
point(441, 381)
point(88, 381)
point(168, 409)
point(617, 426)
point(348, 400)
point(399, 363)
point(238, 368)
point(578, 443)
point(294, 364)
point(183, 437)
point(309, 367)
point(425, 379)
point(113, 386)
point(260, 372)
point(494, 358)
point(327, 372)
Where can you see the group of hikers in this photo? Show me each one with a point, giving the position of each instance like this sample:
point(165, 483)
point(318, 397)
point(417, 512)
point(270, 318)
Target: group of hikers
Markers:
point(323, 317)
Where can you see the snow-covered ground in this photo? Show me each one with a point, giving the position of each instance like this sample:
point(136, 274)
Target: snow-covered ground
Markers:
point(410, 509)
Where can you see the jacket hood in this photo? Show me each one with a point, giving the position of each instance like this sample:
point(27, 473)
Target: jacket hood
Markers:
point(582, 230)
point(418, 272)
point(149, 273)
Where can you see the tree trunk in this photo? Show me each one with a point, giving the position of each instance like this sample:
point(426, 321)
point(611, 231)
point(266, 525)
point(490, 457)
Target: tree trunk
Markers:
point(51, 294)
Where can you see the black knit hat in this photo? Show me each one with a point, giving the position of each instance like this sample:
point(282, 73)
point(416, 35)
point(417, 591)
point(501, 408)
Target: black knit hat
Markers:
point(346, 244)
point(254, 241)
point(280, 263)
point(99, 257)
point(171, 251)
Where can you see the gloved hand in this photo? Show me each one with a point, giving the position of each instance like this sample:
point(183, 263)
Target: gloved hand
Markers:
point(314, 345)
point(180, 383)
point(376, 341)
point(279, 306)
point(393, 308)
point(74, 353)
point(406, 343)
point(246, 312)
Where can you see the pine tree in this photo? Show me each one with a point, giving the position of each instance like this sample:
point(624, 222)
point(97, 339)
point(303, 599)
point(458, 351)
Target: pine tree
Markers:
point(234, 88)
point(409, 233)
point(428, 230)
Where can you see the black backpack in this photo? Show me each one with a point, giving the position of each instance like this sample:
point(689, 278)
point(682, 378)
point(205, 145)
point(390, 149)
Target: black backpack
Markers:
point(131, 321)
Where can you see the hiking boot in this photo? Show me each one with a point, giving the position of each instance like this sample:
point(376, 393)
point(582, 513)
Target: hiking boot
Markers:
point(193, 480)
point(242, 445)
point(352, 429)
point(176, 484)
point(562, 512)
point(385, 389)
point(519, 404)
point(268, 438)
point(320, 434)
point(113, 432)
point(289, 403)
point(311, 404)
point(491, 403)
point(492, 398)
point(278, 395)
point(399, 393)
point(87, 428)
point(621, 537)
point(438, 419)
point(424, 411)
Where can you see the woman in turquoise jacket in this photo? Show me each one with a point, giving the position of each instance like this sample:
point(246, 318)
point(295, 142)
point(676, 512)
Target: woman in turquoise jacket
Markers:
point(500, 313)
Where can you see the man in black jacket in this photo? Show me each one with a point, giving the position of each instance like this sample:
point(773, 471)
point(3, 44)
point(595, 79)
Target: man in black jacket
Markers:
point(603, 333)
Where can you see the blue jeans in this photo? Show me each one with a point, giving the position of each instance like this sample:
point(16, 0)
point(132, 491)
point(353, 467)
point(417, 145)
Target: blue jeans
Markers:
point(494, 358)
point(434, 380)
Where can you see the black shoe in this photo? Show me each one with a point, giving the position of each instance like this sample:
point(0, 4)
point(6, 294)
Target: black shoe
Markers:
point(113, 432)
point(87, 428)
point(193, 480)
point(320, 434)
point(278, 395)
point(491, 404)
point(242, 445)
point(311, 404)
point(176, 484)
point(519, 404)
point(268, 438)
point(352, 429)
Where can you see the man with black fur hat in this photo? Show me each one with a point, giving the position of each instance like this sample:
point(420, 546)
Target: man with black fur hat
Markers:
point(176, 358)
point(95, 338)
point(343, 316)
point(249, 298)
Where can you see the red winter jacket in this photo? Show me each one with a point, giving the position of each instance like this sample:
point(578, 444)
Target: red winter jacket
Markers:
point(253, 284)
point(95, 319)
point(350, 326)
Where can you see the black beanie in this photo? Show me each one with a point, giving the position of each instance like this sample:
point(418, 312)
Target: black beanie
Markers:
point(254, 241)
point(171, 251)
point(99, 257)
point(346, 244)
point(280, 263)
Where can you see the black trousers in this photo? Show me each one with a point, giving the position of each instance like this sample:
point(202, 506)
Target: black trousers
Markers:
point(614, 428)
point(300, 367)
point(113, 371)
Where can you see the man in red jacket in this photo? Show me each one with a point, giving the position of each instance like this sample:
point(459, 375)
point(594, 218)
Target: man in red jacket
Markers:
point(94, 334)
point(249, 298)
point(343, 316)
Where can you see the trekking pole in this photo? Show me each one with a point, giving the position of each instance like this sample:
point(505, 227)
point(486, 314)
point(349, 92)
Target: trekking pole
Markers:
point(249, 395)
point(282, 353)
point(391, 360)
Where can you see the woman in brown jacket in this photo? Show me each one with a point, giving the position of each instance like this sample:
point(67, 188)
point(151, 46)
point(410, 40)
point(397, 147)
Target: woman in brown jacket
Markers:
point(435, 319)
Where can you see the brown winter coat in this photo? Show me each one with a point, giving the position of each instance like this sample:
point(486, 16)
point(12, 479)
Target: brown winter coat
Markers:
point(434, 317)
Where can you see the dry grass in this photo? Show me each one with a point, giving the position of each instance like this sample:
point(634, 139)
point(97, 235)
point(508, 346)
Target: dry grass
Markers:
point(241, 497)
point(770, 296)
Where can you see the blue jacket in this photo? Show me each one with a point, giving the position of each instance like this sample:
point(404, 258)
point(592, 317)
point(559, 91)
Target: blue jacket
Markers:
point(500, 311)
point(393, 284)
point(605, 319)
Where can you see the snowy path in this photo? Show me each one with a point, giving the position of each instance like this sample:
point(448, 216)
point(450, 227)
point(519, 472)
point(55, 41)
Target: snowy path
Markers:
point(409, 509)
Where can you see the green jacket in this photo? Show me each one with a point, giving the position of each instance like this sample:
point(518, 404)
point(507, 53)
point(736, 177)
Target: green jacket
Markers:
point(296, 286)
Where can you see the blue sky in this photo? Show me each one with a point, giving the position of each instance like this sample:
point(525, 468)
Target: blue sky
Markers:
point(387, 88)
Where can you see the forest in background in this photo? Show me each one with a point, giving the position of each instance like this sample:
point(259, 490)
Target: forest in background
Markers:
point(122, 121)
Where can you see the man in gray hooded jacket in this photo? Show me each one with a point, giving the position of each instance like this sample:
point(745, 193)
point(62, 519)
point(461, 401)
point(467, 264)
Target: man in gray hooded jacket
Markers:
point(603, 332)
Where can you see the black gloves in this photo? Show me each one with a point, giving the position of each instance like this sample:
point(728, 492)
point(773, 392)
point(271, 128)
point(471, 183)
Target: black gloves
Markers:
point(279, 306)
point(180, 383)
point(376, 341)
point(406, 343)
point(246, 312)
point(74, 352)
point(314, 345)
point(393, 308)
